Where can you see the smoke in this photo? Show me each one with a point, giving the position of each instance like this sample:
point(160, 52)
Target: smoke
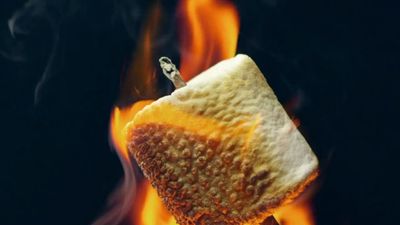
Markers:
point(53, 22)
point(34, 20)
point(47, 19)
point(120, 202)
point(20, 28)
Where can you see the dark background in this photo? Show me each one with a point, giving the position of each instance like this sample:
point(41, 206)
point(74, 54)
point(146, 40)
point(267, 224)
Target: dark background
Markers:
point(60, 73)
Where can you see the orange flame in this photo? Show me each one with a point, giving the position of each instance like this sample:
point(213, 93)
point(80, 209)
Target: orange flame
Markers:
point(213, 28)
point(122, 199)
point(295, 214)
point(140, 76)
point(138, 81)
point(150, 209)
point(120, 117)
point(209, 31)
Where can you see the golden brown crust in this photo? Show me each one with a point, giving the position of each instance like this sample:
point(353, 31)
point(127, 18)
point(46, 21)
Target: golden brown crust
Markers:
point(200, 181)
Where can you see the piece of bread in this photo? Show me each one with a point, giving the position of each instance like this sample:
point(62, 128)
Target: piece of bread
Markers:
point(222, 149)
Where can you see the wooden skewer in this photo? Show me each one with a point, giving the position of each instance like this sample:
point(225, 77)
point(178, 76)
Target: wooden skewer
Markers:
point(270, 221)
point(169, 70)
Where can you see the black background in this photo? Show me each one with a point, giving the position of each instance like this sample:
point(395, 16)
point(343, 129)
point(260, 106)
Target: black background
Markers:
point(337, 59)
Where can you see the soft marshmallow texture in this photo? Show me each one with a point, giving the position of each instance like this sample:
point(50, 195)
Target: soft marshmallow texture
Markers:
point(222, 149)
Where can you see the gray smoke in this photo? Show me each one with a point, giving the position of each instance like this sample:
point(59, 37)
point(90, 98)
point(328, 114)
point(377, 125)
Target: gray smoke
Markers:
point(46, 18)
point(55, 19)
point(30, 21)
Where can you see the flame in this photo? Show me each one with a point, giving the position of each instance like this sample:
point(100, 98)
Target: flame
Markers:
point(138, 82)
point(140, 76)
point(120, 117)
point(122, 198)
point(209, 31)
point(150, 209)
point(297, 213)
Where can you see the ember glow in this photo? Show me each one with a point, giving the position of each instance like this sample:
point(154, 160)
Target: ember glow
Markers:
point(208, 33)
point(150, 209)
point(298, 213)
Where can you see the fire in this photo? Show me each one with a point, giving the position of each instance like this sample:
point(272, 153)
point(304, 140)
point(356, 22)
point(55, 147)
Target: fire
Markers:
point(295, 214)
point(150, 209)
point(140, 77)
point(119, 119)
point(209, 31)
point(208, 34)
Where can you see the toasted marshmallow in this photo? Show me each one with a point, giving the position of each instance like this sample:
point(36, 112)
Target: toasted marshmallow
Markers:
point(222, 150)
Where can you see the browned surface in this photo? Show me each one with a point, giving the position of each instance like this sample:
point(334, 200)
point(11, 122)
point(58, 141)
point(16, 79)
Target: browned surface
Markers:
point(198, 181)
